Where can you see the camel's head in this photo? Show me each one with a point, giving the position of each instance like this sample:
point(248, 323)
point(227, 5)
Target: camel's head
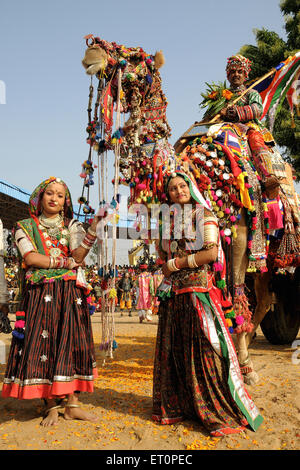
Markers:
point(130, 77)
point(95, 60)
point(103, 58)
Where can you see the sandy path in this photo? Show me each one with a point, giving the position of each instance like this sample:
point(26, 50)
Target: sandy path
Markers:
point(123, 400)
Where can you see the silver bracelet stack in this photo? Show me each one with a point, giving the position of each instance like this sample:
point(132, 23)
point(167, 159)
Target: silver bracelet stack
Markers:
point(172, 265)
point(192, 262)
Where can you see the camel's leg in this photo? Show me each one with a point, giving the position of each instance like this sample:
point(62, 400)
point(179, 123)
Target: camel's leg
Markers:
point(240, 264)
point(264, 301)
point(242, 347)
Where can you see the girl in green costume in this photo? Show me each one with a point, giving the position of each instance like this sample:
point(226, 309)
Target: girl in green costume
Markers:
point(52, 351)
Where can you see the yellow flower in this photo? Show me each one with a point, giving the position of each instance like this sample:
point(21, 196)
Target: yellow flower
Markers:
point(227, 94)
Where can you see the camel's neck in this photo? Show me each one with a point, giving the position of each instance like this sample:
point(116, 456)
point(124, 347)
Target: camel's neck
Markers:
point(154, 124)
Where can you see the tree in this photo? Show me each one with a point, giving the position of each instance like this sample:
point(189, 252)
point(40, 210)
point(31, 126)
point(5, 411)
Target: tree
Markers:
point(291, 10)
point(269, 51)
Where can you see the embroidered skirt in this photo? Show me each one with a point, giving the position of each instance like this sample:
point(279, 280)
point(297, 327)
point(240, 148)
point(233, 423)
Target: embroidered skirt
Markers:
point(191, 380)
point(56, 356)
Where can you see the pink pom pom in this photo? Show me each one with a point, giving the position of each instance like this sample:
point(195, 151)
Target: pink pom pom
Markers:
point(228, 240)
point(20, 324)
point(227, 210)
point(136, 179)
point(239, 320)
point(220, 203)
point(247, 185)
point(249, 244)
point(89, 299)
point(155, 176)
point(254, 220)
point(218, 266)
point(232, 218)
point(141, 186)
point(144, 163)
point(222, 233)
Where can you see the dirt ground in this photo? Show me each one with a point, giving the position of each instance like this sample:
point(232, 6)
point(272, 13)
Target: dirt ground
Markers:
point(123, 400)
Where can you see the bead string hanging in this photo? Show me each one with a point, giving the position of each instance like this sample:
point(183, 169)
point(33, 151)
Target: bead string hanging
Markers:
point(87, 166)
point(107, 305)
point(96, 130)
point(105, 172)
point(93, 128)
point(104, 301)
point(108, 318)
point(117, 163)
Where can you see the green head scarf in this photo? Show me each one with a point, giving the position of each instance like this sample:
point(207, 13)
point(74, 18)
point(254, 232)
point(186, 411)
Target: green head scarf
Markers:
point(195, 193)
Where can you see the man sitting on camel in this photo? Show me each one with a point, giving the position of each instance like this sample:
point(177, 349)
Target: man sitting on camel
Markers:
point(245, 116)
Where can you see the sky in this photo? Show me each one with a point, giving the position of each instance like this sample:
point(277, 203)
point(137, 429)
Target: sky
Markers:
point(43, 114)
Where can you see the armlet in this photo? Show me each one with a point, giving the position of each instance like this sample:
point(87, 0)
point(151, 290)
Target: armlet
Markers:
point(211, 232)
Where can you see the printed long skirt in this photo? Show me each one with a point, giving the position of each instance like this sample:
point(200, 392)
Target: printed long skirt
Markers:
point(190, 378)
point(56, 356)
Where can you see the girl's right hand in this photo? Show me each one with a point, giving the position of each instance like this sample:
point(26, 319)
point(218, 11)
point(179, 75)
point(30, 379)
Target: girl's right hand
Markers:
point(72, 264)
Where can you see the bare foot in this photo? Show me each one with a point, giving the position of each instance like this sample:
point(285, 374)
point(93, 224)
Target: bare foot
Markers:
point(75, 412)
point(51, 416)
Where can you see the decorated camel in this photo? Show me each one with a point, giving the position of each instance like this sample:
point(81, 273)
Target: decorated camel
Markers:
point(220, 161)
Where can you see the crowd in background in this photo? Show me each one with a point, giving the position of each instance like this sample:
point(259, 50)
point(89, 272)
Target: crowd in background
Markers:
point(127, 284)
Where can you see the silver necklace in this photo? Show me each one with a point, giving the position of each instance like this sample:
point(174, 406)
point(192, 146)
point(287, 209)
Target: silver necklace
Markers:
point(51, 225)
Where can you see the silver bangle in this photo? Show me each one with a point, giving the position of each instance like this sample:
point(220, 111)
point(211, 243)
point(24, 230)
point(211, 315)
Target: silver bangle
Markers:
point(192, 262)
point(171, 265)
